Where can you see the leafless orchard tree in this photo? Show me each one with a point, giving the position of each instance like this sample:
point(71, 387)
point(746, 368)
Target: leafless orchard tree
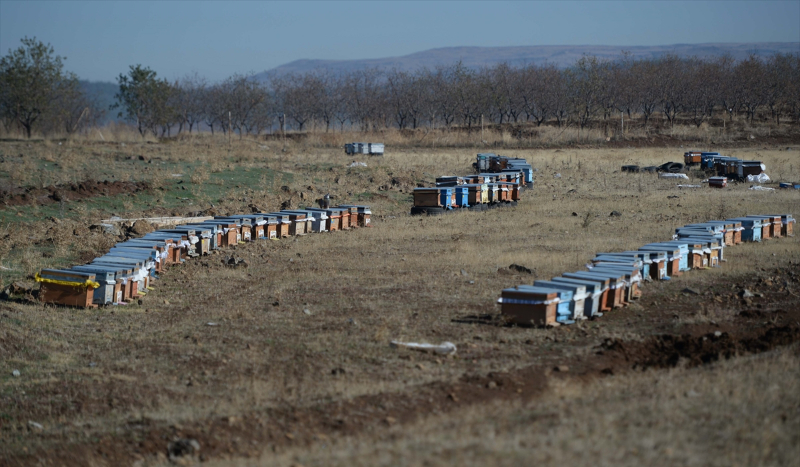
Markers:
point(590, 92)
point(189, 101)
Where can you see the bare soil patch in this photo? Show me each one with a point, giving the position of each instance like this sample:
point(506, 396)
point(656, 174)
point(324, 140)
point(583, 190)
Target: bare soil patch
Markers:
point(667, 351)
point(69, 192)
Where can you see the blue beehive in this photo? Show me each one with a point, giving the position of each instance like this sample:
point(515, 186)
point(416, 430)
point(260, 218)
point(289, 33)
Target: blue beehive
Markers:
point(577, 302)
point(752, 228)
point(462, 196)
point(707, 159)
point(527, 173)
point(668, 254)
point(719, 238)
point(632, 276)
point(163, 248)
point(616, 282)
point(658, 263)
point(145, 266)
point(683, 264)
point(446, 196)
point(139, 267)
point(563, 313)
point(634, 258)
point(653, 264)
point(712, 247)
point(594, 292)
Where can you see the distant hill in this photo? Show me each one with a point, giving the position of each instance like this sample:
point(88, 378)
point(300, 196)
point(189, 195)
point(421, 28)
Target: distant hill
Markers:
point(560, 55)
point(103, 93)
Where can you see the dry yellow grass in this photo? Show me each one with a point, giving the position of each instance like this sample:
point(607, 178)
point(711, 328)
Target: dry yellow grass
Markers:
point(401, 279)
point(741, 412)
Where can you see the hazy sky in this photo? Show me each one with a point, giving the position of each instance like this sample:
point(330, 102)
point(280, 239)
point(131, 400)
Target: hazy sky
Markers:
point(218, 38)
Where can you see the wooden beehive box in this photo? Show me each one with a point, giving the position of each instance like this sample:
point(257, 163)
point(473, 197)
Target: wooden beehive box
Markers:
point(596, 294)
point(106, 278)
point(718, 182)
point(363, 213)
point(344, 223)
point(258, 229)
point(474, 194)
point(529, 306)
point(691, 158)
point(785, 224)
point(736, 228)
point(284, 226)
point(776, 229)
point(299, 222)
point(270, 227)
point(631, 278)
point(427, 197)
point(70, 288)
point(616, 284)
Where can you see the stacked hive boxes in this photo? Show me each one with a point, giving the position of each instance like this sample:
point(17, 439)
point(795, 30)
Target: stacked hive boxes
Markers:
point(374, 149)
point(613, 280)
point(499, 182)
point(729, 168)
point(128, 270)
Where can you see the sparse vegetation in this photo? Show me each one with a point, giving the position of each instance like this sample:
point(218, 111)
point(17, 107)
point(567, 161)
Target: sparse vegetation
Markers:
point(272, 384)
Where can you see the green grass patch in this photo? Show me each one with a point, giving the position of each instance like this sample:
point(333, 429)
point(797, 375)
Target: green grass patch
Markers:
point(178, 193)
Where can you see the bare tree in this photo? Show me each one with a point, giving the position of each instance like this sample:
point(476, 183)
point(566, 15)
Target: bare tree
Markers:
point(585, 81)
point(189, 101)
point(750, 73)
point(701, 81)
point(778, 89)
point(671, 86)
point(444, 91)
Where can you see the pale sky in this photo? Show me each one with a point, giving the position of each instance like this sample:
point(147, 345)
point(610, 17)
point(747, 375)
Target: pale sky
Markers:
point(101, 39)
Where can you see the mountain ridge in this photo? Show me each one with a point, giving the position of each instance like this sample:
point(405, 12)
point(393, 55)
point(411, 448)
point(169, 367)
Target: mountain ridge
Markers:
point(559, 55)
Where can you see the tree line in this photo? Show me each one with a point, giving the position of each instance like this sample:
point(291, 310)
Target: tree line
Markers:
point(691, 90)
point(36, 92)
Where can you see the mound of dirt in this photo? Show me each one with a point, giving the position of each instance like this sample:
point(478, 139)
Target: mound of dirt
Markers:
point(68, 192)
point(666, 351)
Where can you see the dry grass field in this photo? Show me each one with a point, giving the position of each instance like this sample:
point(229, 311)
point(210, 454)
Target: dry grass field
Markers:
point(297, 368)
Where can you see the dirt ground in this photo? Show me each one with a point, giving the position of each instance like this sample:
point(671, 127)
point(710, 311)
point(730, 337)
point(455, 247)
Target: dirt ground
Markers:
point(288, 362)
point(72, 192)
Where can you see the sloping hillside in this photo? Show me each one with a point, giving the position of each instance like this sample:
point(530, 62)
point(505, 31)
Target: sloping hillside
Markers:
point(560, 55)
